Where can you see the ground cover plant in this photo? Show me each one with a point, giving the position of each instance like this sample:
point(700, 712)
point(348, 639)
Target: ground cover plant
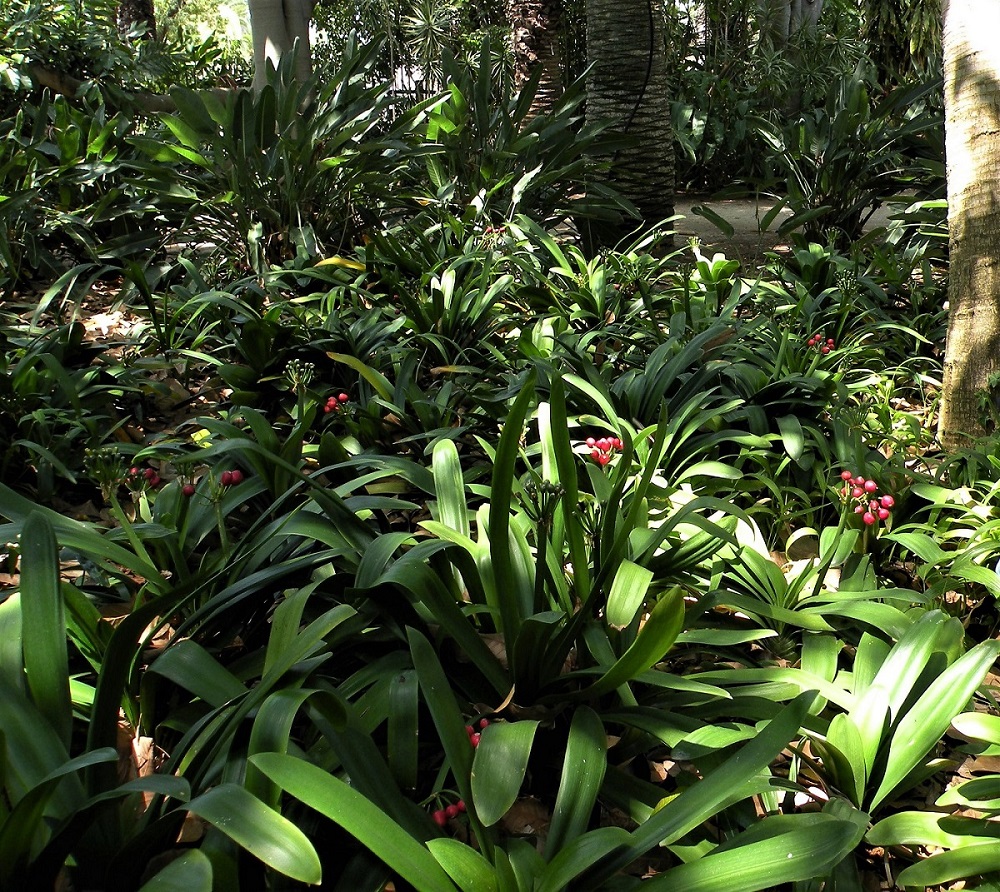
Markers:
point(400, 543)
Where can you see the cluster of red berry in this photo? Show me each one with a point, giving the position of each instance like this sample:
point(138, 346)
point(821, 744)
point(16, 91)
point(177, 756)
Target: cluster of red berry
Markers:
point(870, 505)
point(602, 450)
point(334, 403)
point(824, 345)
point(473, 733)
point(143, 475)
point(443, 815)
point(231, 478)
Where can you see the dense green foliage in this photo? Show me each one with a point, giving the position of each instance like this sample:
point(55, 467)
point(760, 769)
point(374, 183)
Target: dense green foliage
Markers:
point(396, 539)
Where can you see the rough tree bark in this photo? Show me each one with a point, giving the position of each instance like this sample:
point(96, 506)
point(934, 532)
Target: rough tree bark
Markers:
point(628, 85)
point(784, 18)
point(275, 26)
point(536, 38)
point(972, 142)
point(137, 12)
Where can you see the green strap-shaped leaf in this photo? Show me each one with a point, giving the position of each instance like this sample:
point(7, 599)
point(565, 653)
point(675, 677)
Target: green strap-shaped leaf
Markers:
point(922, 727)
point(449, 487)
point(794, 848)
point(365, 821)
point(705, 798)
point(498, 767)
point(43, 625)
point(262, 831)
point(578, 855)
point(189, 665)
point(968, 861)
point(628, 593)
point(192, 872)
point(464, 864)
point(655, 638)
point(928, 828)
point(583, 771)
point(978, 726)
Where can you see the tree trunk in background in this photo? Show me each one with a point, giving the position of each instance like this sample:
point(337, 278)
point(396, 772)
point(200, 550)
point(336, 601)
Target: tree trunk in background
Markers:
point(972, 139)
point(628, 85)
point(275, 26)
point(536, 36)
point(137, 12)
point(781, 19)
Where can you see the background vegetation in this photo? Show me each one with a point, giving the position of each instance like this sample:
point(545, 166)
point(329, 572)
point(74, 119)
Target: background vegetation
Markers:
point(363, 529)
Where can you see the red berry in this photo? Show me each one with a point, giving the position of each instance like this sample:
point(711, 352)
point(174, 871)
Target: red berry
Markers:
point(133, 472)
point(227, 478)
point(595, 454)
point(858, 509)
point(859, 481)
point(846, 475)
point(883, 513)
point(591, 442)
point(603, 443)
point(603, 459)
point(155, 481)
point(188, 489)
point(824, 350)
point(830, 341)
point(870, 486)
point(868, 518)
point(616, 443)
point(343, 397)
point(236, 476)
point(887, 501)
point(460, 805)
point(470, 730)
point(474, 738)
point(483, 723)
point(440, 817)
point(149, 473)
point(857, 492)
point(451, 811)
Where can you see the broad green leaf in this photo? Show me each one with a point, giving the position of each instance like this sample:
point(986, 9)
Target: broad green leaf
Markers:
point(655, 638)
point(969, 861)
point(464, 865)
point(189, 665)
point(584, 766)
point(844, 736)
point(403, 752)
point(791, 436)
point(573, 858)
point(449, 487)
point(978, 726)
point(361, 818)
point(980, 793)
point(262, 831)
point(43, 625)
point(498, 767)
point(191, 872)
point(928, 719)
point(706, 798)
point(931, 829)
point(628, 593)
point(776, 850)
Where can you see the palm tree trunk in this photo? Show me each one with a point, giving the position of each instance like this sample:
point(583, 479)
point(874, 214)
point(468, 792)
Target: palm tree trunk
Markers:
point(536, 36)
point(628, 85)
point(972, 140)
point(276, 25)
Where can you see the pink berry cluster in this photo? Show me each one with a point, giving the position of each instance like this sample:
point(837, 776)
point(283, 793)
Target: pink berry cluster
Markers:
point(443, 815)
point(473, 733)
point(334, 403)
point(140, 476)
point(823, 345)
point(601, 450)
point(872, 506)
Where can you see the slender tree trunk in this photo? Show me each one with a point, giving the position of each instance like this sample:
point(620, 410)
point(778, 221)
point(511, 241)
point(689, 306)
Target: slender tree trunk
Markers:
point(628, 85)
point(536, 37)
point(275, 26)
point(972, 140)
point(137, 12)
